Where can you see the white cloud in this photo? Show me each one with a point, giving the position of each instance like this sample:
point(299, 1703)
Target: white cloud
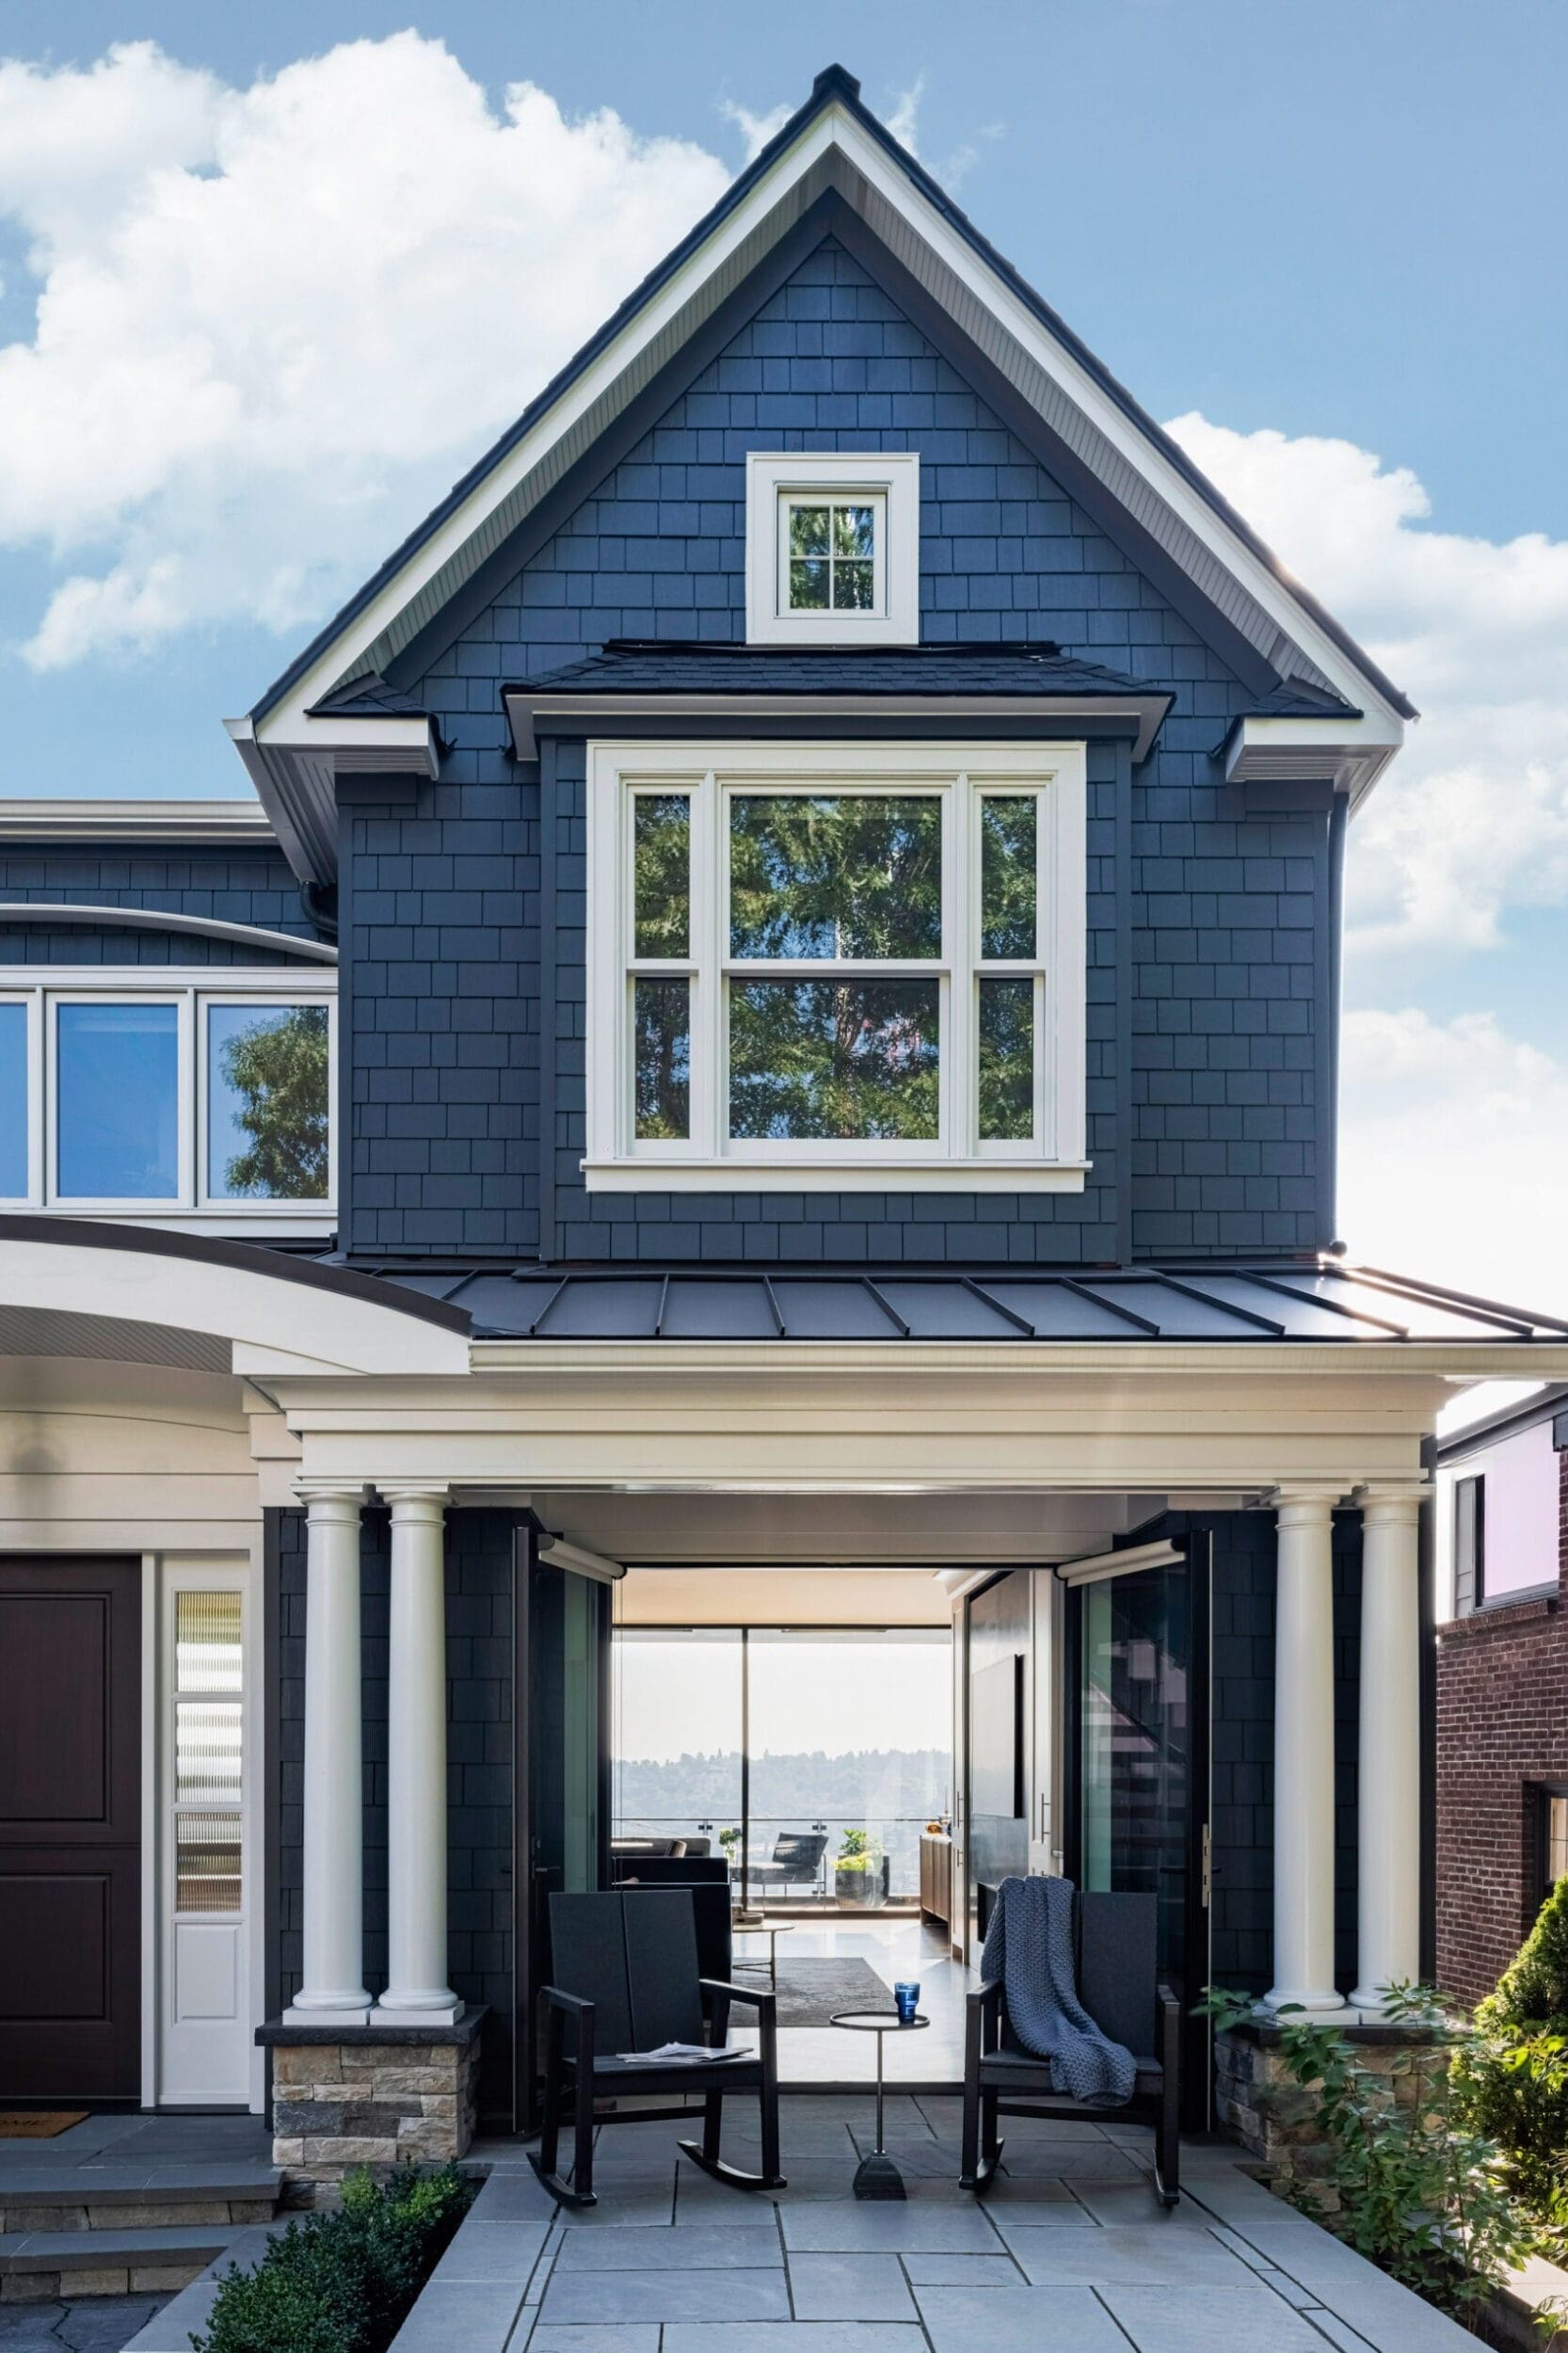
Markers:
point(1473, 815)
point(1454, 1144)
point(756, 130)
point(272, 323)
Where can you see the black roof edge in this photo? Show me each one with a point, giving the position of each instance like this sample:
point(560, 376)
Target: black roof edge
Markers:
point(243, 1258)
point(834, 82)
point(1048, 649)
point(1509, 1421)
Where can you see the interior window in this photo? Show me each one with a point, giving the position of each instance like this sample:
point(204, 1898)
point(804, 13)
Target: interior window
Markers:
point(118, 1078)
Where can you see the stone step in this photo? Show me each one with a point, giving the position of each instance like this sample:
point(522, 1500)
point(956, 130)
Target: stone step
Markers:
point(112, 2197)
point(44, 2266)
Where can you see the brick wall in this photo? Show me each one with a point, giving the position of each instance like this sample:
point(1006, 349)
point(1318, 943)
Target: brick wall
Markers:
point(244, 883)
point(1208, 974)
point(1502, 1724)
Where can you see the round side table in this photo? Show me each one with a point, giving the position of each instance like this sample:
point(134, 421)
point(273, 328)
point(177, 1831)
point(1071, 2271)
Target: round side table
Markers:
point(876, 2175)
point(773, 1931)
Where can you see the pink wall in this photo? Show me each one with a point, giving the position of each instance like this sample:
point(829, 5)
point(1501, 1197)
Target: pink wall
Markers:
point(1521, 1512)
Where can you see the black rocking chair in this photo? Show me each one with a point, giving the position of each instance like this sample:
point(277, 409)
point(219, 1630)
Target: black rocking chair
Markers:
point(1113, 1943)
point(626, 1972)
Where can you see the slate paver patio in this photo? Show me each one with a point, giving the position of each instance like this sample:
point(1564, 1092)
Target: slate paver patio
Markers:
point(1069, 2255)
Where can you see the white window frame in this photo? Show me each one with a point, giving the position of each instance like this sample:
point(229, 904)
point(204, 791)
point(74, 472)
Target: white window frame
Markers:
point(891, 480)
point(44, 988)
point(616, 1160)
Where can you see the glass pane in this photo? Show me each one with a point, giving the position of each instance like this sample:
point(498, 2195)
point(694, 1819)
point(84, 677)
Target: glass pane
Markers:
point(1007, 876)
point(207, 1641)
point(676, 1742)
point(662, 834)
point(207, 1862)
point(266, 1102)
point(854, 1059)
point(1133, 1720)
point(850, 1759)
point(207, 1752)
point(852, 587)
point(14, 1102)
point(808, 586)
point(813, 874)
point(117, 1071)
point(662, 1022)
point(1006, 1062)
point(809, 531)
point(1557, 1840)
point(855, 531)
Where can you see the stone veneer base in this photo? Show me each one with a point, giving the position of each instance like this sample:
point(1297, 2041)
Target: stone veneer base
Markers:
point(1257, 2101)
point(375, 2095)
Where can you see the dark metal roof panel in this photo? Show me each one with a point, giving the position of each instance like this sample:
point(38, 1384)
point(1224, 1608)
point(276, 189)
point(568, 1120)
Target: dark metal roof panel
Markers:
point(833, 1309)
point(944, 1309)
point(718, 1311)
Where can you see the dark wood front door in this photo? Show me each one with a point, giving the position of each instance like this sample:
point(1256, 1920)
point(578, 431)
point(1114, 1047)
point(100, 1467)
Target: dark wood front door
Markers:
point(69, 1830)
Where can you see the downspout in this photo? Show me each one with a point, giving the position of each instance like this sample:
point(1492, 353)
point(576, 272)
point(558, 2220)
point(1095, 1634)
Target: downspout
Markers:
point(1339, 811)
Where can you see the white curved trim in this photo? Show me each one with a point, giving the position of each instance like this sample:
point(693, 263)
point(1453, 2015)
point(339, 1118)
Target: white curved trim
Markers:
point(162, 919)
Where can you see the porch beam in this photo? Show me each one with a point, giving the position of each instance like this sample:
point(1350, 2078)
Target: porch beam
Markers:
point(1389, 1869)
point(1303, 1754)
point(333, 1991)
point(417, 1992)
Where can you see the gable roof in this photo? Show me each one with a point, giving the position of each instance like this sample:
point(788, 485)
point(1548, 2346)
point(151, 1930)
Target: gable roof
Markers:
point(832, 150)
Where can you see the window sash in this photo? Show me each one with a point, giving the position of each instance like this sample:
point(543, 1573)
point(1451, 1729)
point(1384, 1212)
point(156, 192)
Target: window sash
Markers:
point(712, 972)
point(804, 494)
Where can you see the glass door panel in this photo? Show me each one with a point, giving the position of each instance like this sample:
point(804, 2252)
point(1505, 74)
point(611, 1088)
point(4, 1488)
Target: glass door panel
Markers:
point(678, 1739)
point(1134, 1745)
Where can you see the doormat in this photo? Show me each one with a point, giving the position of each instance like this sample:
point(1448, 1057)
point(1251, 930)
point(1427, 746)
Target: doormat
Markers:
point(810, 1990)
point(38, 2124)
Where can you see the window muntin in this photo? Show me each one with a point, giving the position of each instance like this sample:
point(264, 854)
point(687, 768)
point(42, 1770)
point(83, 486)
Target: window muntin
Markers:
point(832, 553)
point(833, 547)
point(876, 955)
point(155, 1092)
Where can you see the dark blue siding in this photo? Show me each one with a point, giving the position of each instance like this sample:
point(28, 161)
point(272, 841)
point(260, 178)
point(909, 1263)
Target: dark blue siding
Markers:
point(1207, 1039)
point(235, 883)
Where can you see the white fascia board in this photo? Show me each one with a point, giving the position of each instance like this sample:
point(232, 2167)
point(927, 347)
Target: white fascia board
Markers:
point(294, 771)
point(143, 822)
point(834, 128)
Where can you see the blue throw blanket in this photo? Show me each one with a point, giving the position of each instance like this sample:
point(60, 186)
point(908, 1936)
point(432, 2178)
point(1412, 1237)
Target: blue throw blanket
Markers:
point(1029, 1945)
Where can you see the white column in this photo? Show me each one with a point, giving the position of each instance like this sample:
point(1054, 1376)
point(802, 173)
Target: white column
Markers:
point(1304, 1756)
point(417, 1992)
point(333, 1991)
point(1388, 1867)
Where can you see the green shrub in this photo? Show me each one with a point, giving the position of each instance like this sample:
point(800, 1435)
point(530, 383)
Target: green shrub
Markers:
point(1422, 2193)
point(342, 2282)
point(1512, 2081)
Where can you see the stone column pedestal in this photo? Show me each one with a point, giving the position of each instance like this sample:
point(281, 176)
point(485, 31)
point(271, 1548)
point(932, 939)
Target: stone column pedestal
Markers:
point(1259, 2104)
point(376, 2096)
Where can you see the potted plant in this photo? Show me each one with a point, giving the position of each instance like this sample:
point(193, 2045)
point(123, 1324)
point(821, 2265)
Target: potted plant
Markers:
point(859, 1881)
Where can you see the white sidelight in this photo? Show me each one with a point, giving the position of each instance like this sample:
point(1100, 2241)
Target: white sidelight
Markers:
point(417, 1992)
point(1303, 1755)
point(1389, 1869)
point(332, 1991)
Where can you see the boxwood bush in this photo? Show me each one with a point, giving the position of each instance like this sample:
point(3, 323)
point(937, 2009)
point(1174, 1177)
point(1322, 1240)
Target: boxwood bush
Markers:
point(342, 2282)
point(1512, 2081)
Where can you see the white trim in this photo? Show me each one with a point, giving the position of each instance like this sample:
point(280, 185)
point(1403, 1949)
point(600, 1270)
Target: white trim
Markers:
point(561, 1554)
point(870, 166)
point(191, 989)
point(147, 1859)
point(46, 911)
point(1099, 1566)
point(160, 822)
point(892, 481)
point(959, 775)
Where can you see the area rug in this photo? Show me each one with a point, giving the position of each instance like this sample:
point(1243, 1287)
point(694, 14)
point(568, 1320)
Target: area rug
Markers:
point(19, 2124)
point(810, 1990)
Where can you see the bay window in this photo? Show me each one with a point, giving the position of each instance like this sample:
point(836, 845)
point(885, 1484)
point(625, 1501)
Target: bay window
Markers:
point(841, 965)
point(146, 1093)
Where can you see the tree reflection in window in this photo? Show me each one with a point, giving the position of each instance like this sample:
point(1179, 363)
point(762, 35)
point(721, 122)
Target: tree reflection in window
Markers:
point(268, 1118)
point(825, 874)
point(850, 1059)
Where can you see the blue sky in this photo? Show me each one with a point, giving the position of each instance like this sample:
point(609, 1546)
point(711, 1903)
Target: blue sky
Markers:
point(1324, 243)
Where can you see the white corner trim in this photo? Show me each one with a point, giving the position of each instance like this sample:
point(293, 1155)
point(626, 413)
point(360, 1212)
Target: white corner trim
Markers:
point(893, 479)
point(46, 911)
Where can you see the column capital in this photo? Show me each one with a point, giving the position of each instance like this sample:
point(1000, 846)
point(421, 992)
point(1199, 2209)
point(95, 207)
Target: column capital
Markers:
point(1392, 1503)
point(1304, 1504)
point(320, 1495)
point(414, 1498)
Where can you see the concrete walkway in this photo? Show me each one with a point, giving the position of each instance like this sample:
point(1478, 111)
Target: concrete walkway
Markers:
point(1069, 2252)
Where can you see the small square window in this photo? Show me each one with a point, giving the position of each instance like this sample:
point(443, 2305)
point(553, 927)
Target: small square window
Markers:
point(833, 550)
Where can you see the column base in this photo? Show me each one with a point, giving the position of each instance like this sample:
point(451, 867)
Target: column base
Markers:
point(1281, 1998)
point(397, 2013)
point(319, 2014)
point(1372, 1999)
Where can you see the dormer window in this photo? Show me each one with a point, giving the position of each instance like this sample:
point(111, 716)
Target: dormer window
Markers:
point(833, 550)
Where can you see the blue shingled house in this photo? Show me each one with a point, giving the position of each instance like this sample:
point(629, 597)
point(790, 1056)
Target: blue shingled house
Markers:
point(769, 1016)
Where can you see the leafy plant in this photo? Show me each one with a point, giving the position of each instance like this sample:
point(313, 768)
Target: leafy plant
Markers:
point(342, 2282)
point(1421, 2194)
point(859, 1851)
point(1511, 2080)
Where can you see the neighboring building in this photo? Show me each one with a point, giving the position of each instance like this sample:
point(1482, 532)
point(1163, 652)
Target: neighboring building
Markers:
point(778, 1009)
point(1503, 1685)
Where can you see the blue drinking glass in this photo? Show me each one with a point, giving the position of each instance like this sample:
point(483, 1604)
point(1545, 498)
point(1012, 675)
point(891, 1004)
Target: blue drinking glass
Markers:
point(906, 1995)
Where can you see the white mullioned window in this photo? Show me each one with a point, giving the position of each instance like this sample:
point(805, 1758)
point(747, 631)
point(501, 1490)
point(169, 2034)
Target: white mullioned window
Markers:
point(169, 1093)
point(847, 967)
point(833, 549)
